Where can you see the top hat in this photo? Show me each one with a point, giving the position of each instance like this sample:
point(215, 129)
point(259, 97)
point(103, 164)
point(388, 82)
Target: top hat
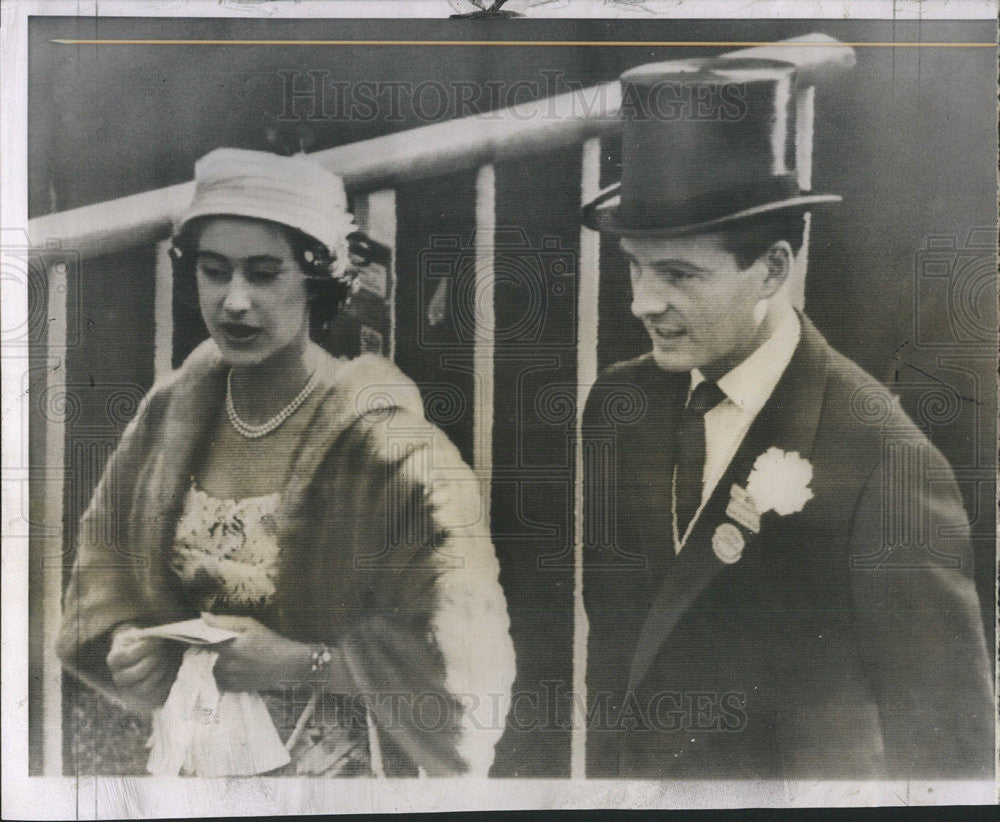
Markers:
point(704, 143)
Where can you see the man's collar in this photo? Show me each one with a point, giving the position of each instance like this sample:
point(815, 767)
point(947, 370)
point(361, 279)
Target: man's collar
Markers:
point(750, 383)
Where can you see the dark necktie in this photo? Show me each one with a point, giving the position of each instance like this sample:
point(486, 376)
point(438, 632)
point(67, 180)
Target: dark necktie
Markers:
point(691, 451)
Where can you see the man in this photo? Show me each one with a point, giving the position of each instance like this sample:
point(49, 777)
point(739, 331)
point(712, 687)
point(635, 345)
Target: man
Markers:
point(777, 567)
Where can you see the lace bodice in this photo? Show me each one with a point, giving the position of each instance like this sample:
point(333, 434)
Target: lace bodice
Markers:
point(225, 551)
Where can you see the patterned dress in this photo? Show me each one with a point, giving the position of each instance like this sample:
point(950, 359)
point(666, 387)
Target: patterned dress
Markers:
point(226, 554)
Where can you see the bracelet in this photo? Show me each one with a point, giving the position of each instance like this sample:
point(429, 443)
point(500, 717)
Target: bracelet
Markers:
point(320, 659)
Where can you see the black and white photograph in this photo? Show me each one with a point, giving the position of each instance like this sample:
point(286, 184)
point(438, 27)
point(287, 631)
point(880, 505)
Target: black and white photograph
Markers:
point(577, 405)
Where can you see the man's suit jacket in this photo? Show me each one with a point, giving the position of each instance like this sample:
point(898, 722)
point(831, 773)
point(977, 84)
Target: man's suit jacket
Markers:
point(845, 642)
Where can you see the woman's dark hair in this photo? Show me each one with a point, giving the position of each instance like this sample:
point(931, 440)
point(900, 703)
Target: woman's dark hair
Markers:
point(327, 288)
point(748, 239)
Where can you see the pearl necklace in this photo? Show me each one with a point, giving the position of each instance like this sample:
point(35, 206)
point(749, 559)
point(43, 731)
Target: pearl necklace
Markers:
point(253, 432)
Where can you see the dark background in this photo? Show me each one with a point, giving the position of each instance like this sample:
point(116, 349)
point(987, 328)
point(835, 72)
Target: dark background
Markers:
point(901, 275)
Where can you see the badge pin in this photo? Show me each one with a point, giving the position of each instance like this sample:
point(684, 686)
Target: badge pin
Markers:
point(742, 509)
point(727, 542)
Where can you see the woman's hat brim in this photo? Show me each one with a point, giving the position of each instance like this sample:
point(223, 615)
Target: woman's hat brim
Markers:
point(603, 214)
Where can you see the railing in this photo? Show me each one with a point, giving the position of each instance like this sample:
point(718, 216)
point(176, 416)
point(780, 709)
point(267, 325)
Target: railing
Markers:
point(386, 162)
point(372, 169)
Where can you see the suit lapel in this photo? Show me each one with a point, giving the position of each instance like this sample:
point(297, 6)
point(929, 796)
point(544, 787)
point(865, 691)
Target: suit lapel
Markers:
point(650, 454)
point(787, 421)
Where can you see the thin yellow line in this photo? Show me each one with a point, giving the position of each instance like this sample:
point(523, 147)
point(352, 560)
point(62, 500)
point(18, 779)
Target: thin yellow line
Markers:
point(574, 43)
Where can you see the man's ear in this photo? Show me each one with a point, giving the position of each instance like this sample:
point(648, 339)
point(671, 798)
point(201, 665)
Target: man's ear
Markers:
point(778, 260)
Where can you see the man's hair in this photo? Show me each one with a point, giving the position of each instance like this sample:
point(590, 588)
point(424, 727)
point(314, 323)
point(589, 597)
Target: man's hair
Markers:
point(748, 239)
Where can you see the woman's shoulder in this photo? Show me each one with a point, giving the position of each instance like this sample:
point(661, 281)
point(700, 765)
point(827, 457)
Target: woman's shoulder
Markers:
point(177, 401)
point(203, 363)
point(368, 384)
point(368, 413)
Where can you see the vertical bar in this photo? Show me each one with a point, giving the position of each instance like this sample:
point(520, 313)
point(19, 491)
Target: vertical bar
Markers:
point(797, 290)
point(52, 544)
point(16, 329)
point(586, 374)
point(485, 318)
point(804, 118)
point(376, 214)
point(163, 312)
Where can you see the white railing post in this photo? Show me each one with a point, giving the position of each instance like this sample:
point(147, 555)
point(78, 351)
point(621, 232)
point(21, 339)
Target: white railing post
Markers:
point(163, 312)
point(57, 406)
point(484, 312)
point(586, 374)
point(375, 213)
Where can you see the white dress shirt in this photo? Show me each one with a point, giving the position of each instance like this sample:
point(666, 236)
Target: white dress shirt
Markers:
point(747, 388)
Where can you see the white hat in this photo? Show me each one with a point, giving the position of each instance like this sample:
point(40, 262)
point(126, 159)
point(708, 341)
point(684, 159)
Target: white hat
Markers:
point(290, 190)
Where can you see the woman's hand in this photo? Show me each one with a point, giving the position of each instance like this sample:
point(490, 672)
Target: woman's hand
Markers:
point(258, 659)
point(142, 668)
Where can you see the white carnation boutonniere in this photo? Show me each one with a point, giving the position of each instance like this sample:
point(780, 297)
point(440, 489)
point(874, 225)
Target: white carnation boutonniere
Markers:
point(779, 482)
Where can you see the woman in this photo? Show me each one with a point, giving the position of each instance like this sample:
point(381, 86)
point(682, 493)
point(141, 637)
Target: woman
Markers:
point(301, 501)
